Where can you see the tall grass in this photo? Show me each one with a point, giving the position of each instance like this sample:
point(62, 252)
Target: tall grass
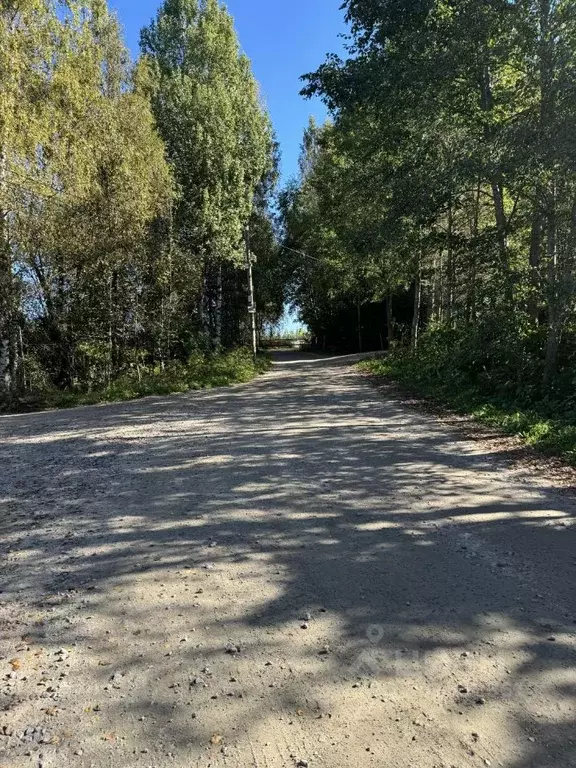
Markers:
point(199, 372)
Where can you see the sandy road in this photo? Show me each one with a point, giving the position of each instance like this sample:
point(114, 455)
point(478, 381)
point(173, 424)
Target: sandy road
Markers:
point(295, 571)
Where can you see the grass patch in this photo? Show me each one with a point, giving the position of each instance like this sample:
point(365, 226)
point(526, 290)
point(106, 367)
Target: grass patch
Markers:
point(200, 372)
point(550, 427)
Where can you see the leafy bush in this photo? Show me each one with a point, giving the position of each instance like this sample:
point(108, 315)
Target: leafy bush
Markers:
point(200, 372)
point(492, 374)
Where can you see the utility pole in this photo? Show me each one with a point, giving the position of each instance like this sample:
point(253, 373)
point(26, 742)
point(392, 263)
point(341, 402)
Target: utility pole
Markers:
point(251, 301)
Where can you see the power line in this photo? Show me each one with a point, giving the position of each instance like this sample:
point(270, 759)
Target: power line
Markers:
point(300, 253)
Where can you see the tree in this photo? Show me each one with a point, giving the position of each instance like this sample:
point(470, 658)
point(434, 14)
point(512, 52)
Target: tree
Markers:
point(25, 41)
point(218, 137)
point(84, 177)
point(456, 174)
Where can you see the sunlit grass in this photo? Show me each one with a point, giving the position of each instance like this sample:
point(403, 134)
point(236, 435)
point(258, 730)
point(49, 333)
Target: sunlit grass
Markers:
point(549, 428)
point(200, 372)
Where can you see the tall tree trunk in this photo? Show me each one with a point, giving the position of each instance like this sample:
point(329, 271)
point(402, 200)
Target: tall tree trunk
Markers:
point(496, 182)
point(22, 358)
point(415, 336)
point(204, 304)
point(547, 116)
point(218, 309)
point(434, 291)
point(390, 319)
point(535, 259)
point(167, 344)
point(114, 339)
point(5, 380)
point(501, 224)
point(441, 297)
point(451, 265)
point(552, 341)
point(359, 314)
point(6, 297)
point(473, 260)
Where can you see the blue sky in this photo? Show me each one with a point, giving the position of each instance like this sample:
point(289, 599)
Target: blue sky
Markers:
point(284, 39)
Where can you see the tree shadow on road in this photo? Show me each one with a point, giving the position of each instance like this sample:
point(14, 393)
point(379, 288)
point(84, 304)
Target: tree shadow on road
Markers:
point(417, 557)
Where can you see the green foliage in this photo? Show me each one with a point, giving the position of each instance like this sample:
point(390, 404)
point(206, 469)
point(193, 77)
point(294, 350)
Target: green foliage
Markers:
point(320, 270)
point(219, 142)
point(447, 174)
point(199, 372)
point(124, 190)
point(208, 109)
point(452, 372)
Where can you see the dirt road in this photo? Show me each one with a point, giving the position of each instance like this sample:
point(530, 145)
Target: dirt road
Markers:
point(298, 571)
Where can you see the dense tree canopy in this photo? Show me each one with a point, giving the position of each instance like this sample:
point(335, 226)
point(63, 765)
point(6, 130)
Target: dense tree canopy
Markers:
point(436, 208)
point(218, 137)
point(448, 171)
point(124, 190)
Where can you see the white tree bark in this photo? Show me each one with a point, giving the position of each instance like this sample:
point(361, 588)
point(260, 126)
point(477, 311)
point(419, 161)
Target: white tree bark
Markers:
point(5, 281)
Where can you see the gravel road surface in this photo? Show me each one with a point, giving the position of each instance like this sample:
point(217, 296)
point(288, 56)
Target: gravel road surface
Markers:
point(300, 571)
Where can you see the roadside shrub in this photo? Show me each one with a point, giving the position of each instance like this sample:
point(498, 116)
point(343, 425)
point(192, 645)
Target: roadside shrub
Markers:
point(199, 372)
point(493, 373)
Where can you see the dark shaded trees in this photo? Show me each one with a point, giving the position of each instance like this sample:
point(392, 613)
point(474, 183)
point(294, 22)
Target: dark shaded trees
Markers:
point(450, 169)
